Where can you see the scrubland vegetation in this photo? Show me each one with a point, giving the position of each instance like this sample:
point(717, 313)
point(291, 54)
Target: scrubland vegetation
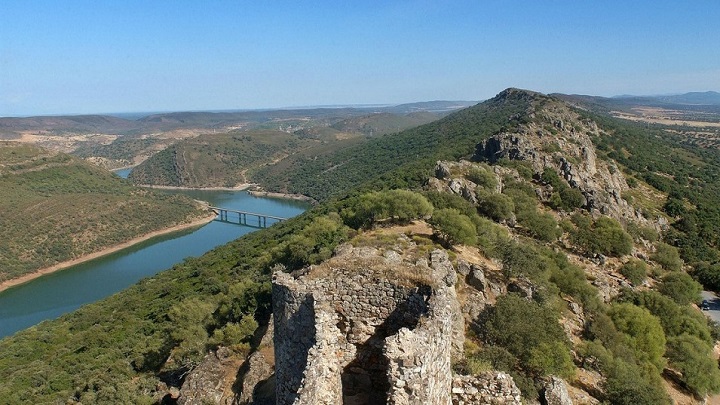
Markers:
point(55, 208)
point(116, 350)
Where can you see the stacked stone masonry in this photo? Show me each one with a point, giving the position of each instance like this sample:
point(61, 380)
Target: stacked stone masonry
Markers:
point(493, 388)
point(354, 337)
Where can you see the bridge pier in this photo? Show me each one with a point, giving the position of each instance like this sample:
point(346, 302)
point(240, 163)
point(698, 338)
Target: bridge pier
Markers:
point(262, 219)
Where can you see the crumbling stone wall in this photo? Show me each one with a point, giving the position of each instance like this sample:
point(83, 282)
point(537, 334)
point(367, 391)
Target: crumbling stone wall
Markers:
point(487, 388)
point(350, 336)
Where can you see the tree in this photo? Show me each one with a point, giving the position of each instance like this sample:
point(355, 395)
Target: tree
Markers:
point(635, 271)
point(453, 227)
point(667, 256)
point(691, 356)
point(680, 287)
point(643, 330)
point(399, 206)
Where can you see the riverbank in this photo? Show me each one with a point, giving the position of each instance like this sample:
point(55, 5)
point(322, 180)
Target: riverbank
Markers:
point(239, 187)
point(297, 197)
point(112, 249)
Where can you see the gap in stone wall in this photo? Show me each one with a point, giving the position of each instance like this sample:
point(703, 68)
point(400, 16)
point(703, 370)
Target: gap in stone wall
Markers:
point(365, 379)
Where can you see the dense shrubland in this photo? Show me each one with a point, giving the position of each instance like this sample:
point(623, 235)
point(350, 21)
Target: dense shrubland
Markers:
point(115, 350)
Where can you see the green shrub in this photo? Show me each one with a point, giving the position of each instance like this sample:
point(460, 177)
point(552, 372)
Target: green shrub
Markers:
point(441, 200)
point(629, 384)
point(680, 287)
point(542, 226)
point(570, 279)
point(498, 357)
point(521, 259)
point(675, 319)
point(523, 167)
point(521, 326)
point(708, 275)
point(499, 207)
point(313, 244)
point(483, 177)
point(692, 357)
point(667, 256)
point(453, 227)
point(551, 358)
point(490, 236)
point(642, 232)
point(635, 271)
point(604, 236)
point(643, 331)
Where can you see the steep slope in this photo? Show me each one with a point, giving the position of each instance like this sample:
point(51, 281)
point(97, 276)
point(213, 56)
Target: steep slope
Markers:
point(56, 208)
point(516, 226)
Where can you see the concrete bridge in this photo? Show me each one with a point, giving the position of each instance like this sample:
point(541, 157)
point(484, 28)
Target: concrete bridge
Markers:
point(256, 220)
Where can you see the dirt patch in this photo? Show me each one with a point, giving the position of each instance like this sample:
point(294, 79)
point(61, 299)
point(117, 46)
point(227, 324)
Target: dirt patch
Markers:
point(662, 116)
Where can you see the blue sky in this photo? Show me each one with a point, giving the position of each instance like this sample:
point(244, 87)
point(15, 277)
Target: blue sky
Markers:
point(74, 57)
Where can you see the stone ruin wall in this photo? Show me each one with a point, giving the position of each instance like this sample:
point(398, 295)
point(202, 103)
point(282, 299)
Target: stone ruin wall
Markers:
point(356, 338)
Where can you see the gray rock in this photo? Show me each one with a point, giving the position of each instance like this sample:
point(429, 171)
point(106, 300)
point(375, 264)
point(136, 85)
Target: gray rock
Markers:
point(523, 287)
point(442, 170)
point(556, 392)
point(476, 278)
point(463, 267)
point(204, 383)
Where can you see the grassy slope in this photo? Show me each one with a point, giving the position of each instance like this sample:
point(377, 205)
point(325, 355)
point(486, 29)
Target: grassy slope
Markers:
point(55, 208)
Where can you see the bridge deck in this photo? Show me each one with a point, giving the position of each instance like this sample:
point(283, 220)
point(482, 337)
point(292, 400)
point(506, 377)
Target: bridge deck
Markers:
point(218, 209)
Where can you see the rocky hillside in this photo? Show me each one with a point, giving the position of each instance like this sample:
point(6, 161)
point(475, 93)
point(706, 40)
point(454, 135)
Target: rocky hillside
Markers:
point(494, 256)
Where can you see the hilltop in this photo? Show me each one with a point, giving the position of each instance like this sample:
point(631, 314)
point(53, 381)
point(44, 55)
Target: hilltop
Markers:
point(529, 247)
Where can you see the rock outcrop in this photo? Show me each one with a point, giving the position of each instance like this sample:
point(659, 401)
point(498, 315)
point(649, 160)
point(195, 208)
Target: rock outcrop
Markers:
point(210, 381)
point(557, 138)
point(556, 392)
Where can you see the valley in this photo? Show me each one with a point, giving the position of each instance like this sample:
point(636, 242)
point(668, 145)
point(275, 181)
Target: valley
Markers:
point(541, 241)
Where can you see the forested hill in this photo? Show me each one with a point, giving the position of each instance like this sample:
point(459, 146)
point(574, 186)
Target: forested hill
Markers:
point(55, 207)
point(567, 257)
point(416, 150)
point(229, 159)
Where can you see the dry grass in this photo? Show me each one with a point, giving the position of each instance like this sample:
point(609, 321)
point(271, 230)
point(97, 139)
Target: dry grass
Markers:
point(661, 116)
